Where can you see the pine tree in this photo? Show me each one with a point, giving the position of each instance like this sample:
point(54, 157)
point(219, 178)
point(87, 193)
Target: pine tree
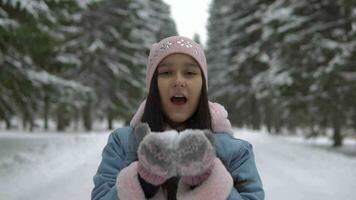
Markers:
point(68, 60)
point(27, 46)
point(113, 46)
point(285, 63)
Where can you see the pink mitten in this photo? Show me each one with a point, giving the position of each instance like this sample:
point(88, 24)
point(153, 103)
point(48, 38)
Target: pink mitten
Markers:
point(156, 156)
point(195, 156)
point(216, 187)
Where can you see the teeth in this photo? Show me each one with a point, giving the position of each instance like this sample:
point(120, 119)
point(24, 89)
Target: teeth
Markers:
point(178, 96)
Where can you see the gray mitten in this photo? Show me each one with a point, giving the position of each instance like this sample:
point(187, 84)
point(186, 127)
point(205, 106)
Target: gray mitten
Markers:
point(195, 155)
point(156, 154)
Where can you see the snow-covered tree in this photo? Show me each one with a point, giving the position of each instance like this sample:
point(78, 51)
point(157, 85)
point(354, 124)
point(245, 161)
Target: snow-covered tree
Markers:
point(233, 29)
point(71, 60)
point(287, 62)
point(27, 45)
point(113, 47)
point(196, 38)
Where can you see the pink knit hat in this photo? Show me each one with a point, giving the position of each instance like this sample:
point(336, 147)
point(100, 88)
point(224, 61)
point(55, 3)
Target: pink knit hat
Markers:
point(171, 45)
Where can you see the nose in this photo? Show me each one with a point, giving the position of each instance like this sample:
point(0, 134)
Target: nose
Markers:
point(178, 81)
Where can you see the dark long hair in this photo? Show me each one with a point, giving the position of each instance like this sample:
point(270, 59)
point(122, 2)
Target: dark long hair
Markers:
point(153, 114)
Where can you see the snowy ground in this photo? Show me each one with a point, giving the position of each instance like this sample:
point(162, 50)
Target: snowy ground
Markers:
point(48, 166)
point(60, 166)
point(295, 170)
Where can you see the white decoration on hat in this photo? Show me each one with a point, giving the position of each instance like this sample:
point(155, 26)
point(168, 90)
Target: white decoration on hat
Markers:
point(166, 45)
point(196, 51)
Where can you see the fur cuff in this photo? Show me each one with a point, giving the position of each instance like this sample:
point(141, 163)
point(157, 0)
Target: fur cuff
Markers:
point(217, 187)
point(128, 186)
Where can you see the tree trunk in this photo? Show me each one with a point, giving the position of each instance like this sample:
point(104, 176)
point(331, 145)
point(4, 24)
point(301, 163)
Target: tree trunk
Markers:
point(110, 122)
point(277, 126)
point(60, 121)
point(337, 137)
point(268, 114)
point(269, 127)
point(24, 122)
point(63, 117)
point(8, 123)
point(46, 112)
point(32, 125)
point(76, 119)
point(87, 116)
point(256, 116)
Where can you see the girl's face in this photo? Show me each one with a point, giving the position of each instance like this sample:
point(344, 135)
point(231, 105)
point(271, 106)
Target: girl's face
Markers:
point(179, 83)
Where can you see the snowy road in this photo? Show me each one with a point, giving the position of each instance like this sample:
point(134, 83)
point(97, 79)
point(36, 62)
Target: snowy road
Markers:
point(49, 167)
point(61, 167)
point(297, 171)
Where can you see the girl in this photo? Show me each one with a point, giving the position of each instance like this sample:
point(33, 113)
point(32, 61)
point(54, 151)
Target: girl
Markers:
point(190, 153)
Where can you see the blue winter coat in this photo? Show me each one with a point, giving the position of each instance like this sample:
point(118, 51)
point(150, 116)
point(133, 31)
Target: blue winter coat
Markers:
point(236, 155)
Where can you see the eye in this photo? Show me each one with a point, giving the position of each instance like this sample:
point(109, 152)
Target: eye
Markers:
point(191, 73)
point(164, 73)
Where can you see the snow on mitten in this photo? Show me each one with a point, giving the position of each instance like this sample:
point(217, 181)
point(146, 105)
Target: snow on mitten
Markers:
point(156, 155)
point(195, 156)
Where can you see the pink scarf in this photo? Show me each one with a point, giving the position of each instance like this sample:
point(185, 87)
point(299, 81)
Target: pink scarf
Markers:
point(219, 120)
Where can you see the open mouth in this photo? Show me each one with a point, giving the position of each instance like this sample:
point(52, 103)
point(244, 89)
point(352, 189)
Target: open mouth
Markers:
point(179, 100)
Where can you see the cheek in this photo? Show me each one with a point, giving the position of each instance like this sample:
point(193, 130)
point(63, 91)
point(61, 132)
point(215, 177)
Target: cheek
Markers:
point(162, 89)
point(196, 90)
